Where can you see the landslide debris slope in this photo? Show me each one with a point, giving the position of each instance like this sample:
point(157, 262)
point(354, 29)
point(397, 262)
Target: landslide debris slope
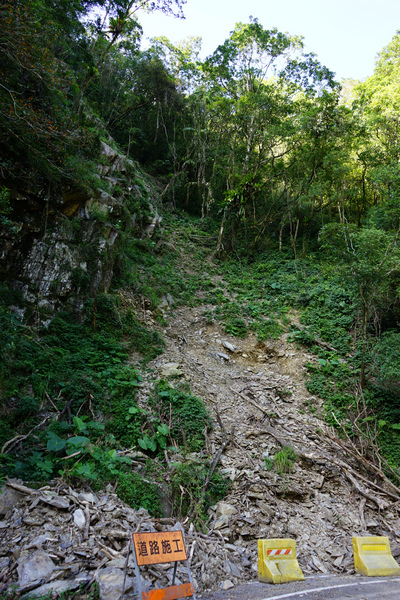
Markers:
point(290, 474)
point(258, 396)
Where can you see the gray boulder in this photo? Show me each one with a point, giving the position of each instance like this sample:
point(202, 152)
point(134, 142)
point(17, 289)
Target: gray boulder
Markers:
point(35, 567)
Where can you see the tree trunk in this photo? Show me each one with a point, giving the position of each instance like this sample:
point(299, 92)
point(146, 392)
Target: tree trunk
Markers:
point(364, 346)
point(220, 247)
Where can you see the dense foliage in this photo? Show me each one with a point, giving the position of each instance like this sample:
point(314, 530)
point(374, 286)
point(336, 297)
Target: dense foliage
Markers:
point(71, 396)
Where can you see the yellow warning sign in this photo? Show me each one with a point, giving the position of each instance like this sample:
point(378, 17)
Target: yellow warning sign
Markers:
point(277, 561)
point(372, 557)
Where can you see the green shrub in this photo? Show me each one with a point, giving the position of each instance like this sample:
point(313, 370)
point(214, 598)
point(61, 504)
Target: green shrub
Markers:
point(138, 492)
point(386, 361)
point(267, 329)
point(236, 326)
point(69, 368)
point(282, 461)
point(187, 489)
point(187, 415)
point(125, 421)
point(148, 343)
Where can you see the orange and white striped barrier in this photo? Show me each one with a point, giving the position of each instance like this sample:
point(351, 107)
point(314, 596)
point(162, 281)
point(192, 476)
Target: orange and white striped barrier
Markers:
point(279, 551)
point(277, 561)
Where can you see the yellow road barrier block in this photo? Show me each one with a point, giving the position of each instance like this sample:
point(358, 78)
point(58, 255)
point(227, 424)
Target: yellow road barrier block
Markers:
point(373, 557)
point(277, 561)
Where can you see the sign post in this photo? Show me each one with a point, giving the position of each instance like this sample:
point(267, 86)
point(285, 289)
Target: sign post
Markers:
point(156, 548)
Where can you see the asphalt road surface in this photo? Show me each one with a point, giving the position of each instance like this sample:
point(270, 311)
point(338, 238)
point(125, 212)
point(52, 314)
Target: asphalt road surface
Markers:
point(324, 587)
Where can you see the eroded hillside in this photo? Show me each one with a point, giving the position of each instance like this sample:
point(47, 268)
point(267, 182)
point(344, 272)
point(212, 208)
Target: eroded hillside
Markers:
point(256, 392)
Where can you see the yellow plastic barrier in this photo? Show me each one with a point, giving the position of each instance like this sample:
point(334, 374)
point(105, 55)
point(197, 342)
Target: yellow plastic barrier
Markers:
point(372, 557)
point(277, 562)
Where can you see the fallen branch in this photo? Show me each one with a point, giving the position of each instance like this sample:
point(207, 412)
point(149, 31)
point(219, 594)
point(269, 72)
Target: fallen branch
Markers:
point(317, 341)
point(361, 459)
point(87, 524)
point(28, 587)
point(194, 544)
point(382, 504)
point(362, 517)
point(21, 488)
point(216, 460)
point(19, 438)
point(370, 483)
point(279, 438)
point(263, 410)
point(51, 401)
point(109, 552)
point(346, 469)
point(213, 466)
point(220, 423)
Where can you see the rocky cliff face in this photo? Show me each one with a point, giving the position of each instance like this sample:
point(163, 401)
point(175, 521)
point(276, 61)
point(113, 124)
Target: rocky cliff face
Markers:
point(64, 243)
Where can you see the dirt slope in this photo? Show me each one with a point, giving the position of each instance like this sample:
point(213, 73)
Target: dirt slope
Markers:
point(258, 397)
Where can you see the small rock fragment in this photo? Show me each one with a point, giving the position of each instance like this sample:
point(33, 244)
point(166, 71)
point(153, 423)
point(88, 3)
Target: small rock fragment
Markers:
point(171, 369)
point(111, 581)
point(221, 522)
point(55, 587)
point(319, 481)
point(9, 498)
point(79, 518)
point(38, 541)
point(229, 346)
point(88, 497)
point(227, 585)
point(338, 561)
point(319, 565)
point(223, 508)
point(56, 501)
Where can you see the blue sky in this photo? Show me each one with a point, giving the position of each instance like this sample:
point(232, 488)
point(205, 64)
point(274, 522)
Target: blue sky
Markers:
point(346, 35)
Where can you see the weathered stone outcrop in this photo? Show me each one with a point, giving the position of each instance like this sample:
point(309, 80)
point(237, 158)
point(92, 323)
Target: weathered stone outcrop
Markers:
point(65, 241)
